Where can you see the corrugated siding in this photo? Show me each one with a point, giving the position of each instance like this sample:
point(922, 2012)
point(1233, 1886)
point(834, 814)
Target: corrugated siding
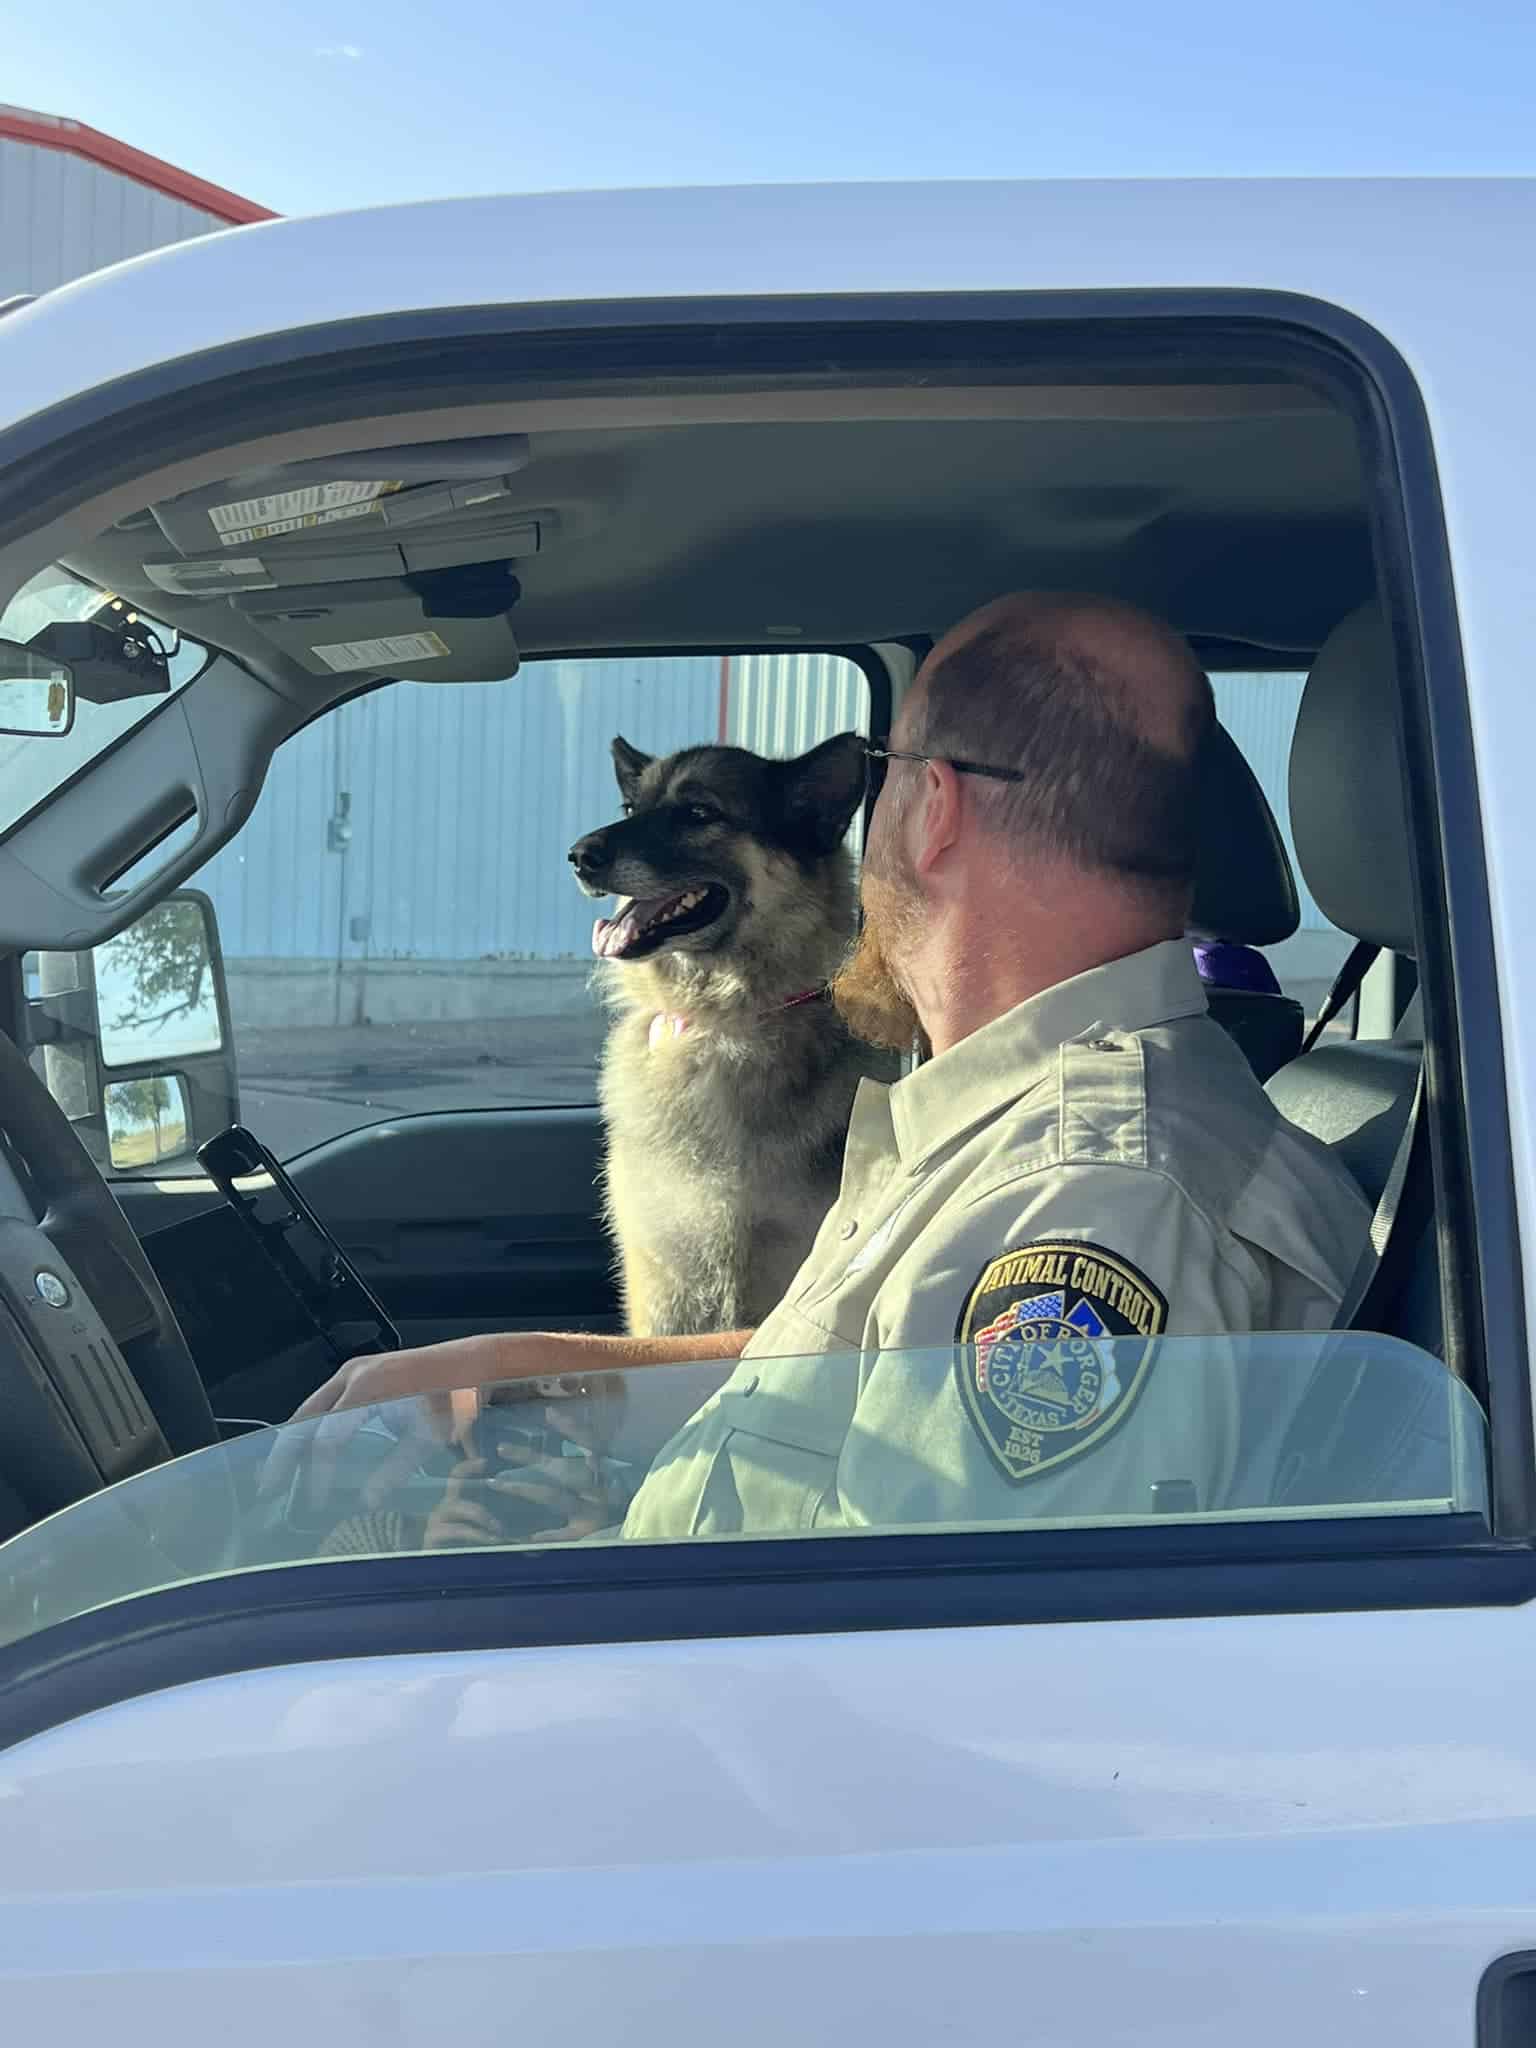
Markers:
point(784, 703)
point(464, 798)
point(1260, 713)
point(61, 217)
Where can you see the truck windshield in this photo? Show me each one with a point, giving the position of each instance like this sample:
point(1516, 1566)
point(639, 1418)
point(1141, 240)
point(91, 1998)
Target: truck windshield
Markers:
point(31, 769)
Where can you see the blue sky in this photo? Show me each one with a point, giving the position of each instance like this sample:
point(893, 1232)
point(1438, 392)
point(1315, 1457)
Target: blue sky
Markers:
point(305, 105)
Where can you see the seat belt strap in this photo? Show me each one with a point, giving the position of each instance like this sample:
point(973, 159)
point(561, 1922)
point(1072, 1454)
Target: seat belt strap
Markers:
point(1406, 1206)
point(1346, 982)
point(1381, 1271)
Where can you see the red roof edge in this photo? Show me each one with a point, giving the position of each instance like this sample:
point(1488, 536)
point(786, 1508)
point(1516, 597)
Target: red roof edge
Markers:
point(52, 131)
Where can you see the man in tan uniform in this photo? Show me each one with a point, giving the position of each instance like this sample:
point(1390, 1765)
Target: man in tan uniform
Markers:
point(1083, 1165)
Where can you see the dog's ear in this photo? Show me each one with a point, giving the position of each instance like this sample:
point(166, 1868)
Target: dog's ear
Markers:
point(629, 764)
point(822, 791)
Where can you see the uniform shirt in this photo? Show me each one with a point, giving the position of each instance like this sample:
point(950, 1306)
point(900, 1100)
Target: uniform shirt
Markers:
point(1018, 1218)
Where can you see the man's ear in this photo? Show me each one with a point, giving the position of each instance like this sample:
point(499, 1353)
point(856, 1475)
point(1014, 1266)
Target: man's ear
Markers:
point(629, 764)
point(822, 791)
point(933, 816)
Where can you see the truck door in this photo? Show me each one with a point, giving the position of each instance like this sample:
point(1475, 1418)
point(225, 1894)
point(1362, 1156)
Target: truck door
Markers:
point(328, 1732)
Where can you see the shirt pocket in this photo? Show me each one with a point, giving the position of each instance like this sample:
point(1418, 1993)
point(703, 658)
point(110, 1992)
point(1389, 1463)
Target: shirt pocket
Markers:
point(760, 1458)
point(772, 1469)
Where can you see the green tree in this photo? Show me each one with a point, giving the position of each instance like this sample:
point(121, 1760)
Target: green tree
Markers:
point(158, 968)
point(145, 1101)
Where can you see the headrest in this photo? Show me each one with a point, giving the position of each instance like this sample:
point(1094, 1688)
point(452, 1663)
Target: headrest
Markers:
point(1347, 805)
point(1244, 888)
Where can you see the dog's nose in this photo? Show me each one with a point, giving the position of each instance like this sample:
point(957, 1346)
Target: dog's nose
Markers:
point(589, 856)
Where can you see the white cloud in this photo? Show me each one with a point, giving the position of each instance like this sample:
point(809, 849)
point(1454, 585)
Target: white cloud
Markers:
point(348, 51)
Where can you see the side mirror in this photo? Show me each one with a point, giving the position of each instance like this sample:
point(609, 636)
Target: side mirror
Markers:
point(37, 693)
point(135, 1037)
point(157, 993)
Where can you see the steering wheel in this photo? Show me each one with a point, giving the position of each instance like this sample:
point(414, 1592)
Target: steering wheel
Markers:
point(96, 1381)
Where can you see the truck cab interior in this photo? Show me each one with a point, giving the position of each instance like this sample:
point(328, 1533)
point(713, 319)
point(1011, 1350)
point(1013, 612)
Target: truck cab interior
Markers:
point(313, 551)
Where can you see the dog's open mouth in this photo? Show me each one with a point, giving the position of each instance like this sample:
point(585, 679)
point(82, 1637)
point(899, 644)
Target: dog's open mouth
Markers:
point(646, 922)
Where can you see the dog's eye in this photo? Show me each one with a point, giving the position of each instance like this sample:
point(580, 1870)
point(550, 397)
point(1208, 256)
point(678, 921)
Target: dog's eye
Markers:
point(701, 814)
point(627, 810)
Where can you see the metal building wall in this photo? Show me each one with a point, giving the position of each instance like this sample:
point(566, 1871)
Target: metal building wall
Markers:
point(61, 216)
point(1260, 713)
point(784, 703)
point(464, 797)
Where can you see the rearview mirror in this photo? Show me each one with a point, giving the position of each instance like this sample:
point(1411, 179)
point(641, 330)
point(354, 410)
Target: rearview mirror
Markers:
point(111, 658)
point(37, 693)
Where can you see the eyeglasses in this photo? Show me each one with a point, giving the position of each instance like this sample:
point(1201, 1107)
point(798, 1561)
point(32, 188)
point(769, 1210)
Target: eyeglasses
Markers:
point(960, 767)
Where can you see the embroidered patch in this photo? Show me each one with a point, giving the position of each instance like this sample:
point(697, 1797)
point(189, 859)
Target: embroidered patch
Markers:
point(1037, 1376)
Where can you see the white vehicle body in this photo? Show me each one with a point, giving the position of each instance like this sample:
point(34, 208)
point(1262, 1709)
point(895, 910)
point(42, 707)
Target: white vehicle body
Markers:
point(1122, 1817)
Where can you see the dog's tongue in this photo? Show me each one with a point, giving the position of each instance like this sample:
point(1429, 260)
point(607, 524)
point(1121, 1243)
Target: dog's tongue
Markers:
point(612, 937)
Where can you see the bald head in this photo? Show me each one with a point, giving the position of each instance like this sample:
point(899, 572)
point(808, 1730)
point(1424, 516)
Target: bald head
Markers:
point(1143, 672)
point(1102, 708)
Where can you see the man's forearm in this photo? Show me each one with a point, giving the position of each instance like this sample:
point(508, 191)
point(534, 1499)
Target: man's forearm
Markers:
point(516, 1354)
point(486, 1361)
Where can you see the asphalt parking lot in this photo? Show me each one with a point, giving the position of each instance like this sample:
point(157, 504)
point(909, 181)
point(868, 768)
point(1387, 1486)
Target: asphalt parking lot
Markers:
point(300, 1087)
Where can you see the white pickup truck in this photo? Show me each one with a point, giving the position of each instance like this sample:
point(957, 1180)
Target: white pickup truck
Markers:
point(337, 537)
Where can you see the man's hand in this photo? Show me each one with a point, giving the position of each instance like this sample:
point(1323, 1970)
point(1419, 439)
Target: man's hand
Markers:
point(433, 1390)
point(535, 1472)
point(564, 1499)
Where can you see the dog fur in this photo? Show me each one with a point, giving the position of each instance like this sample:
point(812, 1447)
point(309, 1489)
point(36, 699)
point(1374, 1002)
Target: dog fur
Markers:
point(725, 1101)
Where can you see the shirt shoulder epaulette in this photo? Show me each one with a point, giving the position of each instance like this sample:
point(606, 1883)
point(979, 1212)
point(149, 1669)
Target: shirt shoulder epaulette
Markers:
point(1102, 1101)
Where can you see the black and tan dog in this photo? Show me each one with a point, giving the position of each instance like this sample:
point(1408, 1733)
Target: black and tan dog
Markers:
point(728, 1075)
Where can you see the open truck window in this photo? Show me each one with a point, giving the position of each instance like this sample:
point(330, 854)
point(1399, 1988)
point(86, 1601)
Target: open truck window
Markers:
point(405, 725)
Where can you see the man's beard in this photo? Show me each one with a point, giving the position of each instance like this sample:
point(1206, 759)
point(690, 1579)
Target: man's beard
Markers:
point(868, 992)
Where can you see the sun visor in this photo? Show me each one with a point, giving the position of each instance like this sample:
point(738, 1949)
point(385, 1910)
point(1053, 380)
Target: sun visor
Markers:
point(333, 556)
point(397, 634)
point(379, 487)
